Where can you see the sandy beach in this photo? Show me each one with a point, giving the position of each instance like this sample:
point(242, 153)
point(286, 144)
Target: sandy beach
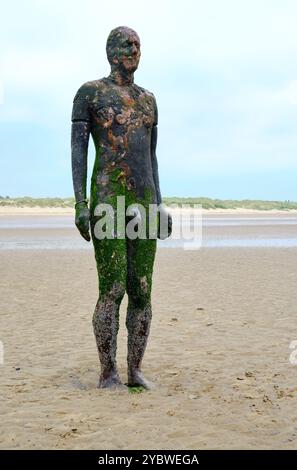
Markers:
point(219, 349)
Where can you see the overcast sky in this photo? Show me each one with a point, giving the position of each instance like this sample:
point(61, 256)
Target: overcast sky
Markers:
point(224, 74)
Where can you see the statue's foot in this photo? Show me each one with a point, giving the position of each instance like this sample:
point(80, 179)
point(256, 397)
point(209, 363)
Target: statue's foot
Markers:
point(111, 380)
point(137, 379)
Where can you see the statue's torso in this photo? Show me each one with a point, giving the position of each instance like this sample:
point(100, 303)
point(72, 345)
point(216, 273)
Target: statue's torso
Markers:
point(121, 120)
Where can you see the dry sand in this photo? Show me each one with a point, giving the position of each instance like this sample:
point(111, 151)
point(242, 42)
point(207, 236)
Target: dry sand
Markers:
point(11, 210)
point(223, 320)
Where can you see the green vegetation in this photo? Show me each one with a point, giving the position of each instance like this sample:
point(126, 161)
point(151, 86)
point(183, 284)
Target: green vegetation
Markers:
point(138, 389)
point(206, 203)
point(36, 202)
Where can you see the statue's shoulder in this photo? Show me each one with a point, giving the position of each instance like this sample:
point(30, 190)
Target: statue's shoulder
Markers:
point(150, 99)
point(88, 89)
point(146, 92)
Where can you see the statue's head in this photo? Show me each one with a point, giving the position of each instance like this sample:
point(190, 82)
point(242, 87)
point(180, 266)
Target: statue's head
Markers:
point(123, 49)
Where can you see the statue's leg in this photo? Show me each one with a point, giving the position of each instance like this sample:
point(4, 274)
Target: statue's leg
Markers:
point(140, 261)
point(111, 265)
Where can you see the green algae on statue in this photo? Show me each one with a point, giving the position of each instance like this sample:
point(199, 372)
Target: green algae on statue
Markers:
point(122, 118)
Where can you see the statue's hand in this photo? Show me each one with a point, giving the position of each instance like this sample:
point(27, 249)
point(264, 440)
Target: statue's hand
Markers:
point(82, 220)
point(164, 232)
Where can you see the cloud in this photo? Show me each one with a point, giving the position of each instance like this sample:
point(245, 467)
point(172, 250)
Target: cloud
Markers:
point(222, 72)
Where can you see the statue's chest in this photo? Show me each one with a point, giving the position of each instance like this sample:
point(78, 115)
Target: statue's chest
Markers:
point(123, 110)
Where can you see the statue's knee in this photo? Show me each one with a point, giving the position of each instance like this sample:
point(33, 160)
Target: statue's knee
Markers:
point(117, 292)
point(111, 296)
point(139, 292)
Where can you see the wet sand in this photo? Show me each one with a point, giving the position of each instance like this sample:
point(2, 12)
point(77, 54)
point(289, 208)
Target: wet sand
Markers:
point(57, 231)
point(223, 321)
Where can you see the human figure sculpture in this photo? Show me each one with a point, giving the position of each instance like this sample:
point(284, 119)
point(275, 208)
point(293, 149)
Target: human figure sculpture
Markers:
point(122, 119)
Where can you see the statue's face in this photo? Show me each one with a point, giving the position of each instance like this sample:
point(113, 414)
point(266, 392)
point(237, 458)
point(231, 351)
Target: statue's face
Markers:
point(127, 51)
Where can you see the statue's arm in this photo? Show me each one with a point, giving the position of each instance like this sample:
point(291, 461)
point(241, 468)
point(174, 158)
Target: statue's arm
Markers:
point(165, 230)
point(80, 133)
point(155, 163)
